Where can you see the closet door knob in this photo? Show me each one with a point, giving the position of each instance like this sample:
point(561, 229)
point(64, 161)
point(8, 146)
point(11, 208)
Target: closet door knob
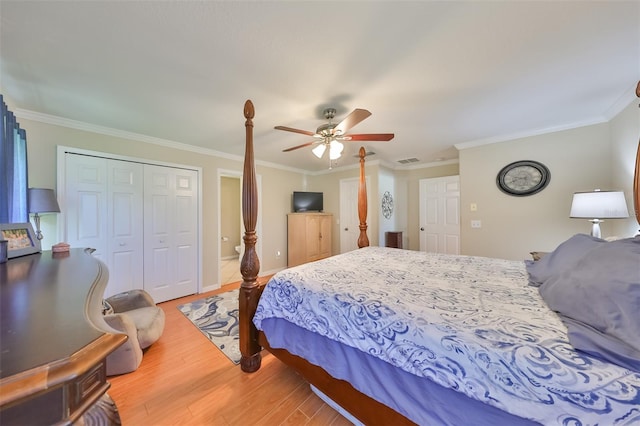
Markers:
point(422, 229)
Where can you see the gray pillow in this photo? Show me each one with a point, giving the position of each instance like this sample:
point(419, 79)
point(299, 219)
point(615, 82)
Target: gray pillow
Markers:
point(599, 302)
point(563, 257)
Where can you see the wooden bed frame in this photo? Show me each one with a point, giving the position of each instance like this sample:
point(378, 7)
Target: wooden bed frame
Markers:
point(252, 341)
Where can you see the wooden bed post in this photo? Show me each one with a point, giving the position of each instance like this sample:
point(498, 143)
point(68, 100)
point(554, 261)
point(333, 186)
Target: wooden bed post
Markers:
point(636, 175)
point(250, 264)
point(363, 240)
point(636, 185)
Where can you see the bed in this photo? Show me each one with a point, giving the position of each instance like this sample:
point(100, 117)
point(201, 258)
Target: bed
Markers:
point(412, 337)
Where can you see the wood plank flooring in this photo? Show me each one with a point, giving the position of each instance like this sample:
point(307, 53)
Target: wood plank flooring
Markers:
point(185, 380)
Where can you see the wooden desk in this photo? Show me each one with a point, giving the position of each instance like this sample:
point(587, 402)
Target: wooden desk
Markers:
point(54, 341)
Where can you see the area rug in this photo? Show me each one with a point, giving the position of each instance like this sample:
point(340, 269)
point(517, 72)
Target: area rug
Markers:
point(217, 318)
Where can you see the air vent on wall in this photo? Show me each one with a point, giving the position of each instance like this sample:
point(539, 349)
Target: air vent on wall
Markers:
point(408, 160)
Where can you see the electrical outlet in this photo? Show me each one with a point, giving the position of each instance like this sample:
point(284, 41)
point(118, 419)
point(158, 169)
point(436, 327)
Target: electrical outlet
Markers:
point(476, 224)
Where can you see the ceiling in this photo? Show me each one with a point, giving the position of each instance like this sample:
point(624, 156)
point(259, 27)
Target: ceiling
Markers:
point(437, 74)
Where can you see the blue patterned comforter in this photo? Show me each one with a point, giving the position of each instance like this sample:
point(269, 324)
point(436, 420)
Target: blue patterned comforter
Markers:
point(468, 323)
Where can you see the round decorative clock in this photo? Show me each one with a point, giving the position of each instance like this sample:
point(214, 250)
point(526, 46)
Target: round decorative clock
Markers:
point(522, 178)
point(387, 205)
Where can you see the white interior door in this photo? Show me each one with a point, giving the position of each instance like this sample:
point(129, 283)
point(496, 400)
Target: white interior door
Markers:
point(440, 215)
point(170, 232)
point(349, 220)
point(125, 236)
point(85, 203)
point(103, 203)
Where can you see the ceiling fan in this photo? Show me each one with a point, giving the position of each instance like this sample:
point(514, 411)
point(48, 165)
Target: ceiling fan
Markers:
point(331, 135)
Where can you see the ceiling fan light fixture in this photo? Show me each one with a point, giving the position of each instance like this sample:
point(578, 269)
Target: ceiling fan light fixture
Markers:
point(318, 151)
point(332, 135)
point(335, 149)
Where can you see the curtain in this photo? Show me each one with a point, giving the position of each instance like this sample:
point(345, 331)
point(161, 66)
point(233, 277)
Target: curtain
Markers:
point(13, 169)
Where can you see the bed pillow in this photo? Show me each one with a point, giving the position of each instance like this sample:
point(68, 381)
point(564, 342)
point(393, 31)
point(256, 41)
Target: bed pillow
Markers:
point(599, 302)
point(563, 257)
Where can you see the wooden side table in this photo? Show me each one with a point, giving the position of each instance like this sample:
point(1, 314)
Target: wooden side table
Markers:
point(393, 239)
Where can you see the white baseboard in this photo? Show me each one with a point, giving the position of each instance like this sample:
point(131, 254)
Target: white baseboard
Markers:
point(210, 288)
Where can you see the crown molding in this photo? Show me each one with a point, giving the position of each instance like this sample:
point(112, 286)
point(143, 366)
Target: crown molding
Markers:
point(521, 135)
point(108, 131)
point(623, 101)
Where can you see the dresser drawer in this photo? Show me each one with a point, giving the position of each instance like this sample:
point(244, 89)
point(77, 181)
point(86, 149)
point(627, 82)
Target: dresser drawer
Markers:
point(88, 388)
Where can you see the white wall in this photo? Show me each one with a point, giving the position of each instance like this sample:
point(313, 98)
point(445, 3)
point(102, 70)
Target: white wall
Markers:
point(578, 160)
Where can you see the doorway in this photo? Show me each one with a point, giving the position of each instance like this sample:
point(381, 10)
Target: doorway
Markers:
point(230, 229)
point(231, 225)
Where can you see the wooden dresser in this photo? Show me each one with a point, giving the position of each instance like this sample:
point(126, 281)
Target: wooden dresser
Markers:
point(53, 343)
point(308, 237)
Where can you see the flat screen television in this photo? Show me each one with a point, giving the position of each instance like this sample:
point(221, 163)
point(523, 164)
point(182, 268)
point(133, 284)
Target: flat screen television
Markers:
point(307, 201)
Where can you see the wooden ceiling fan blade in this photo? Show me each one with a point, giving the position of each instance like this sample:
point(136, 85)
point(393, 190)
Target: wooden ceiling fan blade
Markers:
point(291, 129)
point(356, 116)
point(299, 146)
point(380, 137)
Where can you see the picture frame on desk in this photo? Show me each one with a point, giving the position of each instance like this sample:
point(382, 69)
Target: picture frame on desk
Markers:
point(21, 239)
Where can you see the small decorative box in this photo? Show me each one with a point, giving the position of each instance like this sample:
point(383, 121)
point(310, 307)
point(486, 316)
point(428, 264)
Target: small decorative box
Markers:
point(60, 248)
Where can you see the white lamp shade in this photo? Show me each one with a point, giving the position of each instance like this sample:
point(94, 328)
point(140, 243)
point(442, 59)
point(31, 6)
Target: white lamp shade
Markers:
point(42, 200)
point(318, 151)
point(599, 205)
point(335, 150)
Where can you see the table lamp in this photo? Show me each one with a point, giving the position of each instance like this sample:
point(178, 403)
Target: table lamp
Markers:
point(597, 205)
point(41, 200)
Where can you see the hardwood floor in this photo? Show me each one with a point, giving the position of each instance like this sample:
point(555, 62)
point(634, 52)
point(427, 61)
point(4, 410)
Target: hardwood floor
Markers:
point(185, 380)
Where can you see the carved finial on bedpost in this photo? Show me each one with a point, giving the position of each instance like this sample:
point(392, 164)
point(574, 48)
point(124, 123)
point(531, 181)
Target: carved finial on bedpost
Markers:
point(250, 264)
point(363, 240)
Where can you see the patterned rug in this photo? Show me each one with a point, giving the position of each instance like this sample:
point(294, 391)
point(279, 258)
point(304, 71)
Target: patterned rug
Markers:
point(217, 318)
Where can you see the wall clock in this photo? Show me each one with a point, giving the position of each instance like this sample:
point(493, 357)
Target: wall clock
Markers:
point(387, 205)
point(522, 178)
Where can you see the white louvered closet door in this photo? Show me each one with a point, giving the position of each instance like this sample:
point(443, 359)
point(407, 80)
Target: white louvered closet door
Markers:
point(170, 229)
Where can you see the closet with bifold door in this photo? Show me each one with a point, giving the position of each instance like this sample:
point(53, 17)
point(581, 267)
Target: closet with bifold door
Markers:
point(141, 219)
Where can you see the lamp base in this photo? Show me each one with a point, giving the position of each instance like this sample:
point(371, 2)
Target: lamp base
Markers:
point(36, 220)
point(595, 228)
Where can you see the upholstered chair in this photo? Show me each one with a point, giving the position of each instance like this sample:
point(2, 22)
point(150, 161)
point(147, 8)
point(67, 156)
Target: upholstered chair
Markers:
point(134, 313)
